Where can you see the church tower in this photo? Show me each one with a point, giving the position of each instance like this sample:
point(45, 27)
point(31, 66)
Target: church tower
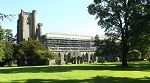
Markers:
point(27, 26)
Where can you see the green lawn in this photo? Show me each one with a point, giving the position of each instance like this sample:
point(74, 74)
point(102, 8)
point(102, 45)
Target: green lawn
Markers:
point(83, 73)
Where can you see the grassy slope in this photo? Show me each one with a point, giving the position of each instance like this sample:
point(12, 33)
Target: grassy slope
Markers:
point(83, 73)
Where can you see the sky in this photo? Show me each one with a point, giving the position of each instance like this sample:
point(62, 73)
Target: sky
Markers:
point(57, 16)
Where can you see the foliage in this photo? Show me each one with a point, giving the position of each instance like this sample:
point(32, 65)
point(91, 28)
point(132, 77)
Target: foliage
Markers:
point(8, 49)
point(1, 54)
point(4, 16)
point(97, 44)
point(43, 57)
point(8, 36)
point(1, 44)
point(119, 19)
point(8, 44)
point(134, 55)
point(5, 51)
point(32, 52)
point(43, 39)
point(107, 48)
point(140, 36)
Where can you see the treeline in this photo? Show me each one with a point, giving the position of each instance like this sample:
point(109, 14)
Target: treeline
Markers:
point(26, 53)
point(110, 49)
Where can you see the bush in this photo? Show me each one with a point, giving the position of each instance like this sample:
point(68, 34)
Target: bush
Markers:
point(134, 55)
point(32, 52)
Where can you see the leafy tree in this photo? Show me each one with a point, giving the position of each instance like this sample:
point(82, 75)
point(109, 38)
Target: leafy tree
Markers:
point(107, 48)
point(8, 53)
point(42, 57)
point(8, 36)
point(7, 47)
point(118, 18)
point(1, 46)
point(4, 16)
point(140, 33)
point(1, 54)
point(32, 52)
point(143, 47)
point(111, 49)
point(98, 45)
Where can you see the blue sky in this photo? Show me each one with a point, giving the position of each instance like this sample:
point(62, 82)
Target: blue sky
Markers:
point(60, 16)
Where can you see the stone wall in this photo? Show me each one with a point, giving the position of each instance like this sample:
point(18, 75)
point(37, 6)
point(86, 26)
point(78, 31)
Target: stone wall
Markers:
point(76, 57)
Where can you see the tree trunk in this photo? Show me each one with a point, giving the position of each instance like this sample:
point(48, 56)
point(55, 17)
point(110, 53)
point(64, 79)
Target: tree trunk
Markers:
point(124, 51)
point(125, 36)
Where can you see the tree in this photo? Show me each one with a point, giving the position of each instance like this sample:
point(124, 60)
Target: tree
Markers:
point(32, 52)
point(97, 44)
point(117, 18)
point(4, 16)
point(111, 49)
point(1, 46)
point(8, 52)
point(107, 48)
point(5, 47)
point(8, 48)
point(8, 36)
point(140, 36)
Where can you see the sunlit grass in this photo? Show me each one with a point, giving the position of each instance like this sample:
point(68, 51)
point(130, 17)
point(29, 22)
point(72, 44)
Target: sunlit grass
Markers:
point(138, 72)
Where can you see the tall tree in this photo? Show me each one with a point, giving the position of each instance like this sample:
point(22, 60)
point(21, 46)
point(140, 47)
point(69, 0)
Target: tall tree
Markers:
point(97, 43)
point(8, 46)
point(117, 17)
point(1, 44)
point(5, 47)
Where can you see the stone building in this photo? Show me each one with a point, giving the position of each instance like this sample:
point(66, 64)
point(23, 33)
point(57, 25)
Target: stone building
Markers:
point(27, 26)
point(71, 48)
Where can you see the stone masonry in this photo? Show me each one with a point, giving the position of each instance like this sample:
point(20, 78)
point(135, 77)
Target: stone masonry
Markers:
point(76, 49)
point(27, 26)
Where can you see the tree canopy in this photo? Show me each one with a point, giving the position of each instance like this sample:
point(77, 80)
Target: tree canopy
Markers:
point(3, 16)
point(32, 52)
point(108, 48)
point(120, 18)
point(1, 44)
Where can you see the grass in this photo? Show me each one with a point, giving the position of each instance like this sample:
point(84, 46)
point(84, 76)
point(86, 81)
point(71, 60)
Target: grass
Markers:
point(83, 73)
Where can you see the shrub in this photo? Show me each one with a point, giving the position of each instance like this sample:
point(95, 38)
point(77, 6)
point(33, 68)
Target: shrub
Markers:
point(134, 55)
point(32, 52)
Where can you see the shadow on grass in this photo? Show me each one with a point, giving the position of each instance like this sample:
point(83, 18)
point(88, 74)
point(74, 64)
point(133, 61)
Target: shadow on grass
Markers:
point(52, 69)
point(96, 79)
